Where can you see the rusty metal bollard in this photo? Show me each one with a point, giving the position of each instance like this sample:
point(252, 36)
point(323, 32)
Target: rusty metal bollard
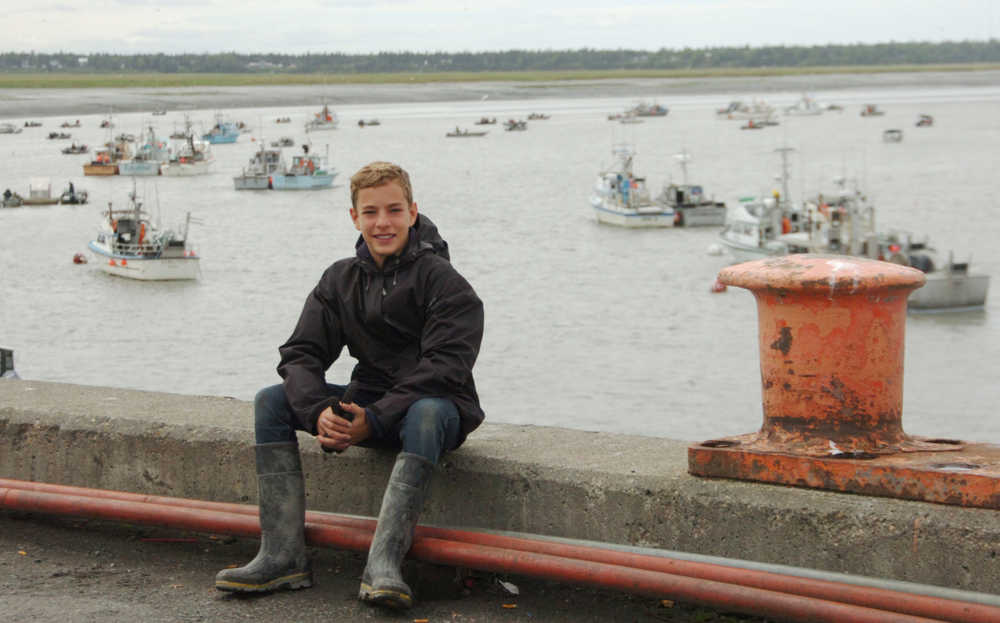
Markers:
point(831, 334)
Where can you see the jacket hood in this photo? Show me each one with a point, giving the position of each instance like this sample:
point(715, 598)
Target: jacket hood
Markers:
point(423, 238)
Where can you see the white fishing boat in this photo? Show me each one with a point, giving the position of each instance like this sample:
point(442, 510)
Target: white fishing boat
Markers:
point(843, 223)
point(130, 245)
point(307, 172)
point(805, 107)
point(620, 198)
point(738, 109)
point(257, 174)
point(693, 208)
point(325, 119)
point(189, 157)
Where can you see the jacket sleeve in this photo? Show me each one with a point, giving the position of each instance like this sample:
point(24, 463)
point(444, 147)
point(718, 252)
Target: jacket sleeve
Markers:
point(313, 346)
point(449, 343)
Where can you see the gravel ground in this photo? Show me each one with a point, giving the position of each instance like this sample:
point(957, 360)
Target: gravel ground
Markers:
point(74, 570)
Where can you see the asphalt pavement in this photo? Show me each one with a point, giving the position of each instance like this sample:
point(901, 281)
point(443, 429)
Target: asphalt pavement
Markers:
point(75, 570)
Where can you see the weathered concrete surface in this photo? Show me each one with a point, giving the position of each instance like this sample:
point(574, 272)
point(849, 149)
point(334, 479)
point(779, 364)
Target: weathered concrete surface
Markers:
point(613, 488)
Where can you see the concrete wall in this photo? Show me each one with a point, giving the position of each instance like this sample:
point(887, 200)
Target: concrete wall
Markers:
point(597, 486)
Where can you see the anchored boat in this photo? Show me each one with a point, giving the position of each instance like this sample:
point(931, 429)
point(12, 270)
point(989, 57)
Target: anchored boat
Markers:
point(130, 245)
point(620, 198)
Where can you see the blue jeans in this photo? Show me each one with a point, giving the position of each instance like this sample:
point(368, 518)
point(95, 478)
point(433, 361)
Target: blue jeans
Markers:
point(430, 427)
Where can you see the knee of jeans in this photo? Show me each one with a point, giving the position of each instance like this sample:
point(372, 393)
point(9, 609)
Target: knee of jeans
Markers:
point(430, 417)
point(265, 401)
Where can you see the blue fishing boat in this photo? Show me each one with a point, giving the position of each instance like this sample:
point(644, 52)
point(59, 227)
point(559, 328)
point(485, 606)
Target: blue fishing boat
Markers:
point(222, 132)
point(307, 172)
point(148, 157)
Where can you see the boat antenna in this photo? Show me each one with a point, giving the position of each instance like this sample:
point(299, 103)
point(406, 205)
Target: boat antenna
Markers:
point(683, 158)
point(784, 151)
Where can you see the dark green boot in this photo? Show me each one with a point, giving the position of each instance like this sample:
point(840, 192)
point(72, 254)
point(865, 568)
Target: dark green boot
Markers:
point(382, 581)
point(281, 561)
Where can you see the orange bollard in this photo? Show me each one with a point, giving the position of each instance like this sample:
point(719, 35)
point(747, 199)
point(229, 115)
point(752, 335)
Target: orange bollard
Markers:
point(831, 335)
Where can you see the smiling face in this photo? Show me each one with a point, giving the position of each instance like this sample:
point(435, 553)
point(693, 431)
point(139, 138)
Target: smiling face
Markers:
point(384, 218)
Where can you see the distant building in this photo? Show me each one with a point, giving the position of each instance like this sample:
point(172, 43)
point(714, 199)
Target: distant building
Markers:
point(82, 60)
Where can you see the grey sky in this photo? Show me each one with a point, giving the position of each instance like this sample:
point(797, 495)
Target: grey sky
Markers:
point(356, 26)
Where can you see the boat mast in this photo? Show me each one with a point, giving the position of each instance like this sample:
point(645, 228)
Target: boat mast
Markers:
point(784, 151)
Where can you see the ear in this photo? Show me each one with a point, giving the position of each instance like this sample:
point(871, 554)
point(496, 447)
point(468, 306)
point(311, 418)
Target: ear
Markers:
point(413, 213)
point(354, 217)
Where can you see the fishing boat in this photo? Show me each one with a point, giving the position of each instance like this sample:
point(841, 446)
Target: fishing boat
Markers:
point(284, 141)
point(106, 160)
point(760, 226)
point(257, 174)
point(642, 109)
point(892, 135)
point(9, 128)
point(325, 119)
point(187, 156)
point(487, 121)
point(740, 110)
point(871, 110)
point(55, 136)
point(693, 208)
point(32, 124)
point(925, 121)
point(130, 245)
point(148, 158)
point(223, 132)
point(620, 198)
point(75, 148)
point(537, 116)
point(40, 193)
point(460, 133)
point(368, 122)
point(515, 125)
point(73, 196)
point(307, 172)
point(843, 223)
point(805, 107)
point(159, 113)
point(67, 124)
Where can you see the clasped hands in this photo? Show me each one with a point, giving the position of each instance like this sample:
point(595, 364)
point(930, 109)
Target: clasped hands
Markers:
point(339, 433)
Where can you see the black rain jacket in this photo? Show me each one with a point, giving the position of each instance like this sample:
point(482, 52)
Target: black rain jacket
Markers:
point(415, 328)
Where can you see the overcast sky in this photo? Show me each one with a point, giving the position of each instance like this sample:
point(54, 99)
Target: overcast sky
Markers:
point(364, 26)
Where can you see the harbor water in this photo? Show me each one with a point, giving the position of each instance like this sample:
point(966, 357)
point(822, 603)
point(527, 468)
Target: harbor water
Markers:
point(587, 326)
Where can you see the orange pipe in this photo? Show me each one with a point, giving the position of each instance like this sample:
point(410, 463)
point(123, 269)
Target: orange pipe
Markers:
point(878, 598)
point(660, 585)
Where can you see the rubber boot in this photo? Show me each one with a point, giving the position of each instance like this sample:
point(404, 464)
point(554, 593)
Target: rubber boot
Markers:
point(281, 561)
point(382, 581)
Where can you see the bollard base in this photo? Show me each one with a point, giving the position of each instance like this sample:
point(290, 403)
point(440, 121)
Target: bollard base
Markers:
point(969, 477)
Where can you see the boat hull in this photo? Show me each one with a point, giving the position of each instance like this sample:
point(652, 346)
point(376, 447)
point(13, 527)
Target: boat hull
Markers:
point(146, 269)
point(139, 168)
point(634, 218)
point(701, 216)
point(949, 290)
point(182, 169)
point(220, 139)
point(100, 169)
point(301, 182)
point(252, 182)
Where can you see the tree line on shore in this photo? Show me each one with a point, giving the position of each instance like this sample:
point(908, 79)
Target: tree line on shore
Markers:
point(854, 55)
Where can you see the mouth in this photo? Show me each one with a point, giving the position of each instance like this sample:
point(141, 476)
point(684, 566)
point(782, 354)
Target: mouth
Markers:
point(384, 237)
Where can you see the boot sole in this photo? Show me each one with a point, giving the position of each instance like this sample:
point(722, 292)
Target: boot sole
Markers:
point(290, 582)
point(384, 597)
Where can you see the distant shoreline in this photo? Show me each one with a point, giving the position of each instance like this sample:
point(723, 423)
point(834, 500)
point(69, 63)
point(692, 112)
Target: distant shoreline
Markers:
point(21, 103)
point(55, 80)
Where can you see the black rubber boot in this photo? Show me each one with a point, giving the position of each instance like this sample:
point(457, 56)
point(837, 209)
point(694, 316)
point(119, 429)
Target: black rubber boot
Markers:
point(281, 561)
point(382, 581)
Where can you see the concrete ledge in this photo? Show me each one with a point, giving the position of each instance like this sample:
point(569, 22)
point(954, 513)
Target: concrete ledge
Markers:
point(612, 488)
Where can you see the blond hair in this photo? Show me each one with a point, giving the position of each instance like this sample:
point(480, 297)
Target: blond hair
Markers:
point(378, 173)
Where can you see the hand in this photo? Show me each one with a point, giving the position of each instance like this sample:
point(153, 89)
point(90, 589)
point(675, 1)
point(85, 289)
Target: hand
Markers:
point(340, 433)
